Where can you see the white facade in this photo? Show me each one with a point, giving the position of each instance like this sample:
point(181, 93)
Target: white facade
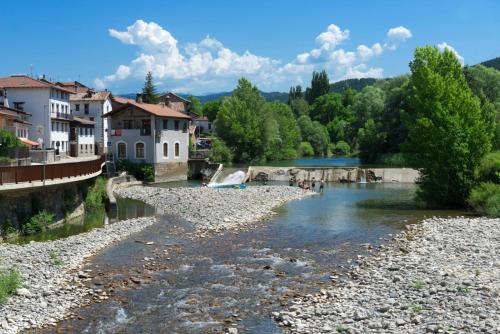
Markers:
point(94, 109)
point(50, 114)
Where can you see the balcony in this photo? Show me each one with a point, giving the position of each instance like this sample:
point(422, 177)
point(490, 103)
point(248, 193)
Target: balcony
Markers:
point(130, 132)
point(60, 115)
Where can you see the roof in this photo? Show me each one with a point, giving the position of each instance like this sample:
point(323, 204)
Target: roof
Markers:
point(155, 109)
point(89, 95)
point(202, 118)
point(29, 142)
point(14, 110)
point(74, 86)
point(180, 97)
point(24, 81)
point(83, 121)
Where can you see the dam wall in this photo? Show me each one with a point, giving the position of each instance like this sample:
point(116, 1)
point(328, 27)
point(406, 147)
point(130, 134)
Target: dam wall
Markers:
point(333, 174)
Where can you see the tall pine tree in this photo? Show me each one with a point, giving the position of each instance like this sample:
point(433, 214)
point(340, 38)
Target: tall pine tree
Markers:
point(320, 85)
point(149, 94)
point(294, 93)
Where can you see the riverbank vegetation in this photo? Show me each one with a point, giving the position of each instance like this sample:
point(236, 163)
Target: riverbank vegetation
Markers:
point(140, 170)
point(10, 281)
point(96, 197)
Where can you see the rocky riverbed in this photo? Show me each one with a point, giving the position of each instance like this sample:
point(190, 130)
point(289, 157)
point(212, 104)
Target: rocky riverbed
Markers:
point(440, 276)
point(215, 210)
point(51, 281)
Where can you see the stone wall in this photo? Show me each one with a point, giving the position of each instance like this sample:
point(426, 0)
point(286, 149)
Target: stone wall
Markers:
point(171, 171)
point(334, 174)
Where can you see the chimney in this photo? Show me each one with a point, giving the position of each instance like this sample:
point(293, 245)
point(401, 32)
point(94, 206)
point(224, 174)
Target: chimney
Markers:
point(138, 98)
point(167, 100)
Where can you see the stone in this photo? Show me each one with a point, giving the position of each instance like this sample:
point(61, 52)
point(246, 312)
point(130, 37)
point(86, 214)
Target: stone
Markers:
point(23, 292)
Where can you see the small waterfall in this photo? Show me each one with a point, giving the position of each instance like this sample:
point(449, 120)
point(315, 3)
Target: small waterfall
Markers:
point(235, 178)
point(362, 177)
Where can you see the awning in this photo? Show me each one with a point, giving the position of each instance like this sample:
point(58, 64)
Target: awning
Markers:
point(28, 142)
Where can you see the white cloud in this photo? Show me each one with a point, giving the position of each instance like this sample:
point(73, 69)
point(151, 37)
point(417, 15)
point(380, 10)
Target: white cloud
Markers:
point(445, 46)
point(208, 66)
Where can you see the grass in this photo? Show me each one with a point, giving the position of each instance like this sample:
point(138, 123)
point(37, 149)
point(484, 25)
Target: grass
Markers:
point(418, 284)
point(340, 328)
point(56, 260)
point(477, 273)
point(10, 280)
point(463, 289)
point(96, 196)
point(416, 308)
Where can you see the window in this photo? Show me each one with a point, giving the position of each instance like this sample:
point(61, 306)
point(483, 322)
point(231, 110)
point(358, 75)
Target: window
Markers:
point(53, 110)
point(165, 150)
point(86, 108)
point(91, 130)
point(81, 147)
point(81, 131)
point(77, 107)
point(210, 126)
point(165, 124)
point(86, 133)
point(57, 126)
point(139, 150)
point(176, 125)
point(57, 107)
point(122, 151)
point(127, 124)
point(53, 127)
point(177, 147)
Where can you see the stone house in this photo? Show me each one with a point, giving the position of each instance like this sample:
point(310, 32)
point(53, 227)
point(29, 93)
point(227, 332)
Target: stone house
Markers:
point(151, 133)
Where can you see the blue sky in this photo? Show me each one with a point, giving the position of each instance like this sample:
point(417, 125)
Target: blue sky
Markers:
point(205, 46)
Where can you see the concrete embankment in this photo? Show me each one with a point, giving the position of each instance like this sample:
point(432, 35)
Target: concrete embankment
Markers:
point(333, 174)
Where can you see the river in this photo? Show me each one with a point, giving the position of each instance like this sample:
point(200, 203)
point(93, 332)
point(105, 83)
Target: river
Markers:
point(236, 279)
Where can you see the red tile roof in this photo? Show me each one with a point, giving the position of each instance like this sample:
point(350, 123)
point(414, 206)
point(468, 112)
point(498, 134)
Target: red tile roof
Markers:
point(74, 86)
point(155, 109)
point(23, 81)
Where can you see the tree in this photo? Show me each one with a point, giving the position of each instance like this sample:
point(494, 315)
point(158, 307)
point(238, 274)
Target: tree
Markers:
point(299, 107)
point(195, 106)
point(210, 109)
point(288, 134)
point(315, 133)
point(320, 85)
point(295, 93)
point(326, 107)
point(371, 141)
point(447, 134)
point(149, 94)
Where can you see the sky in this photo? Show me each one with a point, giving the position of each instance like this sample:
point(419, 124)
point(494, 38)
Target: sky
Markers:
point(202, 47)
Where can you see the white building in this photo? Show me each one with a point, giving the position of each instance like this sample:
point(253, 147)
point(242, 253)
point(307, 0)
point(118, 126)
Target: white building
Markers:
point(86, 103)
point(48, 105)
point(82, 140)
point(151, 133)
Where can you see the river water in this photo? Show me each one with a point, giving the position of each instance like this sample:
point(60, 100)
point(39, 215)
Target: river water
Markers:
point(236, 279)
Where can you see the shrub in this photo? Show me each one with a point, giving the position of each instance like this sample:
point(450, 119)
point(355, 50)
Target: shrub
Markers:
point(489, 169)
point(141, 171)
point(38, 222)
point(393, 160)
point(220, 151)
point(485, 199)
point(96, 196)
point(342, 148)
point(10, 280)
point(305, 149)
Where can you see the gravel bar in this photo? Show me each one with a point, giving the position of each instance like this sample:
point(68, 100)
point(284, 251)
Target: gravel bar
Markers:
point(440, 276)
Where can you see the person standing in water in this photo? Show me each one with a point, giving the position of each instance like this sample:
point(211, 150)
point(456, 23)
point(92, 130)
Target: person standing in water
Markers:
point(313, 184)
point(321, 185)
point(291, 182)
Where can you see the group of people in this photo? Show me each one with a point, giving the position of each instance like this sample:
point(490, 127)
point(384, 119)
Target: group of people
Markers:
point(306, 185)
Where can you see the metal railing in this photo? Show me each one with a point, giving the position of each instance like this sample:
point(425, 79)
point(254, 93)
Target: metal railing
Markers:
point(52, 171)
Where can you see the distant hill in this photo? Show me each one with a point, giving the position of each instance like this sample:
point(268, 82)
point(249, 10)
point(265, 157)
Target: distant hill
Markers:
point(337, 87)
point(356, 84)
point(495, 63)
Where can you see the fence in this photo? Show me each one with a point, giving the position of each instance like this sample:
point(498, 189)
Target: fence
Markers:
point(52, 171)
point(16, 152)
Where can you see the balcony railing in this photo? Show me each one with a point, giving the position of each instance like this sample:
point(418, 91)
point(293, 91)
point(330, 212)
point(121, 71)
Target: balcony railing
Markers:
point(61, 115)
point(52, 171)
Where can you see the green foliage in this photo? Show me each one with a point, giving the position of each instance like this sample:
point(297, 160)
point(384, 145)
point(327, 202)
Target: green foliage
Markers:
point(299, 107)
point(392, 160)
point(418, 284)
point(38, 223)
point(320, 85)
point(371, 141)
point(8, 140)
point(351, 84)
point(210, 109)
point(342, 148)
point(305, 149)
point(326, 107)
point(416, 308)
point(195, 105)
point(96, 196)
point(447, 135)
point(220, 151)
point(149, 94)
point(485, 199)
point(340, 328)
point(10, 281)
point(489, 169)
point(56, 260)
point(140, 170)
point(295, 93)
point(495, 63)
point(315, 133)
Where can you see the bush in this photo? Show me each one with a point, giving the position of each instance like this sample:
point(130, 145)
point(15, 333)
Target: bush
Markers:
point(392, 159)
point(305, 149)
point(10, 280)
point(485, 199)
point(96, 196)
point(342, 148)
point(38, 222)
point(220, 151)
point(489, 169)
point(142, 171)
point(8, 140)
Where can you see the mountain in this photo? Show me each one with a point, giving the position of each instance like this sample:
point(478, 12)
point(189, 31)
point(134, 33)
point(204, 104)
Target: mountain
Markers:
point(495, 63)
point(356, 84)
point(269, 96)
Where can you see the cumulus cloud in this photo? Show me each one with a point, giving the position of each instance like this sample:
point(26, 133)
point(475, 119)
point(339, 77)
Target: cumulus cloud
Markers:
point(396, 36)
point(208, 65)
point(445, 46)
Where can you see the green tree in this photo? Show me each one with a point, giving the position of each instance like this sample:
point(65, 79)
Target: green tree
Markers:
point(195, 106)
point(295, 93)
point(299, 107)
point(210, 109)
point(447, 135)
point(149, 94)
point(288, 132)
point(8, 140)
point(320, 85)
point(326, 107)
point(315, 133)
point(371, 141)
